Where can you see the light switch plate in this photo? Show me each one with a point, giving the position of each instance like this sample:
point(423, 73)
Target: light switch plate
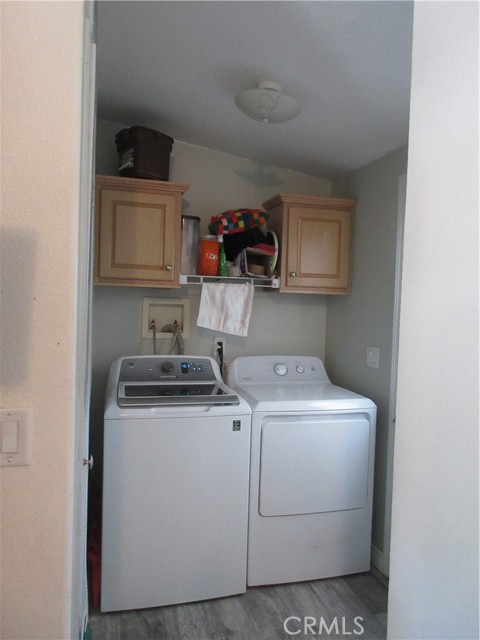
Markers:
point(373, 357)
point(22, 418)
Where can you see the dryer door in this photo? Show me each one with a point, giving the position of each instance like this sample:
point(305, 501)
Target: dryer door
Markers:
point(313, 464)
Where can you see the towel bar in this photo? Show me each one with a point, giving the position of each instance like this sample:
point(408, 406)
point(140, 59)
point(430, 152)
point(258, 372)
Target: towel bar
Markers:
point(267, 283)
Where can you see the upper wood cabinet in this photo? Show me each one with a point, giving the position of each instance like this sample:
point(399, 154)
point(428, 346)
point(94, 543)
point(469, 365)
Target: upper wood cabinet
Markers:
point(315, 237)
point(137, 232)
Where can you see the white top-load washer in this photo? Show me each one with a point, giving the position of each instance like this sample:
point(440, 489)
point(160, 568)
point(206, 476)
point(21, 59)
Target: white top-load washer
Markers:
point(311, 477)
point(175, 487)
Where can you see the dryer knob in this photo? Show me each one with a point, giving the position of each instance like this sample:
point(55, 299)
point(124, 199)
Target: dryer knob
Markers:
point(300, 368)
point(167, 367)
point(280, 369)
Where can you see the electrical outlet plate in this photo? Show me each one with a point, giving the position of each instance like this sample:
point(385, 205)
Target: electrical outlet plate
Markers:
point(216, 341)
point(165, 311)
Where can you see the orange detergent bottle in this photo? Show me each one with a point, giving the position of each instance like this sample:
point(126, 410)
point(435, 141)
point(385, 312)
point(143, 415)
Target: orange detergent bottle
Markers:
point(208, 256)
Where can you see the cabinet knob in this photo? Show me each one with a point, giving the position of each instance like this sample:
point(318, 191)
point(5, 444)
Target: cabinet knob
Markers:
point(293, 274)
point(169, 267)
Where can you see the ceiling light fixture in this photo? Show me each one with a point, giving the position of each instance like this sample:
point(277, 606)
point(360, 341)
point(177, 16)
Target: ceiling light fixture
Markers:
point(268, 103)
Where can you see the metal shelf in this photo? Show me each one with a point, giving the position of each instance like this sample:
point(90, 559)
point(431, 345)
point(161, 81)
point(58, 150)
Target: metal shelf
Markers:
point(266, 283)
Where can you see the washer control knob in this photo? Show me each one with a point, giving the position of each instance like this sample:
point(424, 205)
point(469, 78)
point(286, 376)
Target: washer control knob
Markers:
point(280, 369)
point(167, 367)
point(300, 368)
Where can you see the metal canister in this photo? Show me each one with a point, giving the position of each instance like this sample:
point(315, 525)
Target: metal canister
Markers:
point(190, 242)
point(208, 256)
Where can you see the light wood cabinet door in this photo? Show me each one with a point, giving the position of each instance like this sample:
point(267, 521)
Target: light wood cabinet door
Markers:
point(316, 242)
point(138, 232)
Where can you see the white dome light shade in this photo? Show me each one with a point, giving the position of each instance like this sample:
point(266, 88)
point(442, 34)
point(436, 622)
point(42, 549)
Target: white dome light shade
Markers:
point(268, 103)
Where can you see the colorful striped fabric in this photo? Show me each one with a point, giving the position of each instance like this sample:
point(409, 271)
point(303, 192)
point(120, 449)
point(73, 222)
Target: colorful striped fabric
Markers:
point(234, 221)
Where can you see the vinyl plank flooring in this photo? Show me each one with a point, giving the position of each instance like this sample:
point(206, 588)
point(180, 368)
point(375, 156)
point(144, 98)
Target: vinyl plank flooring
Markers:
point(266, 612)
point(370, 590)
point(300, 606)
point(162, 622)
point(230, 619)
point(350, 601)
point(329, 606)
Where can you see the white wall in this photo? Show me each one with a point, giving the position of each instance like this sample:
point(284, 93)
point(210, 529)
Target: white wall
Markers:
point(434, 551)
point(365, 318)
point(280, 323)
point(41, 102)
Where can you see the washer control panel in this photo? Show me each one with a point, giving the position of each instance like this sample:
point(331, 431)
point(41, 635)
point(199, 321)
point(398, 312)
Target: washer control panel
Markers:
point(181, 368)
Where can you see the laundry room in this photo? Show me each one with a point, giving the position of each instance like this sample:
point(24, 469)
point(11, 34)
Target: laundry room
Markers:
point(58, 131)
point(336, 328)
point(341, 330)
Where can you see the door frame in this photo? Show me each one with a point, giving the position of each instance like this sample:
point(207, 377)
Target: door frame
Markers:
point(79, 598)
point(392, 405)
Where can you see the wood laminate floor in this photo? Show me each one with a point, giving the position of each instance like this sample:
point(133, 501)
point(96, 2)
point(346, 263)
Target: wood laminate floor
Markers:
point(346, 607)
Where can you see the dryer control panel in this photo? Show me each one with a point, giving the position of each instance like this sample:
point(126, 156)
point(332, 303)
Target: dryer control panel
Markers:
point(276, 369)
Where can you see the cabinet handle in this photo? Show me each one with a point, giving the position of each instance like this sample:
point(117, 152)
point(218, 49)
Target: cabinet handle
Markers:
point(169, 267)
point(293, 274)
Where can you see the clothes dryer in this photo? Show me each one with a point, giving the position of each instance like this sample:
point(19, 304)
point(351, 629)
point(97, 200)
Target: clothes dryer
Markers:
point(311, 472)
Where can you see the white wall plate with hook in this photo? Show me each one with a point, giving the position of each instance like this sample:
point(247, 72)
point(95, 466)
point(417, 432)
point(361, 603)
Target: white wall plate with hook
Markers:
point(165, 311)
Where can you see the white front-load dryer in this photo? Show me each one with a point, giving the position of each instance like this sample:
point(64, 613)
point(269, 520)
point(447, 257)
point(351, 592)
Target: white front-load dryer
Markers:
point(311, 472)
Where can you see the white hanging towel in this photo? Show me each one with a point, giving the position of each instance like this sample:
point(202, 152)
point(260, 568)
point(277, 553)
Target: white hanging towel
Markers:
point(226, 307)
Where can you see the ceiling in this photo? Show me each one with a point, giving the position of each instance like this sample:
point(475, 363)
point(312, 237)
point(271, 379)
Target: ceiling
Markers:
point(177, 66)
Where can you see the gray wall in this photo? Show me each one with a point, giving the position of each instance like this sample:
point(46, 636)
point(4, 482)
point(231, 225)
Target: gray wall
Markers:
point(365, 318)
point(280, 323)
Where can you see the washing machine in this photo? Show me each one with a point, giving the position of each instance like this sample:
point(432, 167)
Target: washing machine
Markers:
point(311, 474)
point(175, 483)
